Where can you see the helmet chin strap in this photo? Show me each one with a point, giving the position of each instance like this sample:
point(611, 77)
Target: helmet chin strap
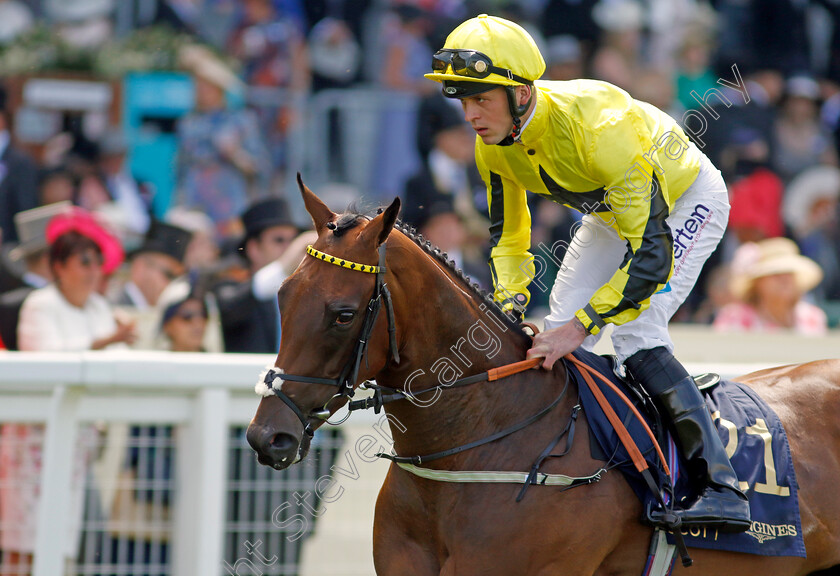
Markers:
point(516, 112)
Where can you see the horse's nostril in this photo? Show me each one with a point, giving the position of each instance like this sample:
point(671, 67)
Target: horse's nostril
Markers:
point(282, 442)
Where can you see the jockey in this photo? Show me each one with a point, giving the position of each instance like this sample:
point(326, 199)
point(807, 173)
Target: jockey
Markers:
point(654, 210)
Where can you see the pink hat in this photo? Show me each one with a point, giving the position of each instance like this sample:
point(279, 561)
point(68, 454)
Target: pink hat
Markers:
point(83, 222)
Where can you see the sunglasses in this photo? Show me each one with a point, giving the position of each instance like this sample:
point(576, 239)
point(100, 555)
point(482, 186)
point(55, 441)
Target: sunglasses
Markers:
point(90, 259)
point(471, 64)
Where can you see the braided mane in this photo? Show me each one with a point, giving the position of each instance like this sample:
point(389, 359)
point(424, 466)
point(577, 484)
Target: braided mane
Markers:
point(350, 220)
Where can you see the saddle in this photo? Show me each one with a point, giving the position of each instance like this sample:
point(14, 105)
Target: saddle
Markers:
point(750, 431)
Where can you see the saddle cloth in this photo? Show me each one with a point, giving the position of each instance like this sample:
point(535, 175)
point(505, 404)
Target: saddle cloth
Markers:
point(754, 439)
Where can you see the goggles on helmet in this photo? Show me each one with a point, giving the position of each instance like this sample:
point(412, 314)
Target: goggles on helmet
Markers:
point(471, 64)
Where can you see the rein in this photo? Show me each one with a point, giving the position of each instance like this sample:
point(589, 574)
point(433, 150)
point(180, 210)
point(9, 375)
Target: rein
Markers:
point(418, 460)
point(378, 399)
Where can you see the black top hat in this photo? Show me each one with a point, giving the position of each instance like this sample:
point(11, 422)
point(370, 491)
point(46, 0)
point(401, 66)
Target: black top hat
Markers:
point(264, 214)
point(165, 239)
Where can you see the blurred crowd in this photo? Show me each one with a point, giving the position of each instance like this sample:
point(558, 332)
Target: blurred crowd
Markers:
point(88, 263)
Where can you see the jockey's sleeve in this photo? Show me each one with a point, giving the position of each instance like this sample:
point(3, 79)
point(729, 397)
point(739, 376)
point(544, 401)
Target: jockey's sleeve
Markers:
point(639, 204)
point(511, 265)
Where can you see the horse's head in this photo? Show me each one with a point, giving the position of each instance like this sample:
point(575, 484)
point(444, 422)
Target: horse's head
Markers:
point(333, 334)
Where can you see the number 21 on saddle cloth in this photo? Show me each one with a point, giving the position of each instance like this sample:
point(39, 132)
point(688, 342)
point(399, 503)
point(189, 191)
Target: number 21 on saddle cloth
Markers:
point(754, 439)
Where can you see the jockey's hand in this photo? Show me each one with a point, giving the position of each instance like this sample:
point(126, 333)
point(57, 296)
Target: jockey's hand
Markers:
point(555, 343)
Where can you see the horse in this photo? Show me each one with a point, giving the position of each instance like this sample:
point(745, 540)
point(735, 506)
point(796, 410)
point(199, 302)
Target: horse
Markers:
point(438, 326)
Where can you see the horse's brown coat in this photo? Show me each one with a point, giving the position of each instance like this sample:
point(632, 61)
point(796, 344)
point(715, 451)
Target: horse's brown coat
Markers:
point(426, 528)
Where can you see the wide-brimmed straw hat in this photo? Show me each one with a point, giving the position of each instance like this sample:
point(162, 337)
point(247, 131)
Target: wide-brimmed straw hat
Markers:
point(83, 222)
point(755, 260)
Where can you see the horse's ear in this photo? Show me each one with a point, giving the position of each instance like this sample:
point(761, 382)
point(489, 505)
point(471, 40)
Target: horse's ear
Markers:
point(319, 212)
point(378, 229)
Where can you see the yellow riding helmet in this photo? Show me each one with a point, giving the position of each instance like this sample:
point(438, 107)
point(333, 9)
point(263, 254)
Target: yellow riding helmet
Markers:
point(505, 43)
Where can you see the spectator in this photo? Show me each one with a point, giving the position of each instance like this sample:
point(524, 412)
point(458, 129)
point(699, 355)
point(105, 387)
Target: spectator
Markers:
point(800, 140)
point(273, 248)
point(669, 24)
point(91, 193)
point(156, 263)
point(184, 319)
point(810, 210)
point(656, 87)
point(618, 59)
point(447, 197)
point(131, 201)
point(572, 17)
point(694, 69)
point(770, 278)
point(440, 224)
point(564, 58)
point(334, 54)
point(202, 253)
point(354, 13)
point(270, 43)
point(779, 34)
point(153, 267)
point(335, 57)
point(406, 50)
point(190, 287)
point(405, 57)
point(33, 249)
point(757, 112)
point(18, 176)
point(69, 314)
point(57, 184)
point(271, 47)
point(755, 192)
point(27, 263)
point(222, 158)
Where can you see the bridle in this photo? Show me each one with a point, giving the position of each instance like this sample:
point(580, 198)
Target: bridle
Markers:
point(349, 374)
point(347, 378)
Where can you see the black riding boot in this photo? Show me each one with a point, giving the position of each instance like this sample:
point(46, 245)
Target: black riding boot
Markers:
point(721, 504)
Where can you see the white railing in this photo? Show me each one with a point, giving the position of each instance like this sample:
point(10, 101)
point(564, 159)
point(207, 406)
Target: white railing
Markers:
point(203, 394)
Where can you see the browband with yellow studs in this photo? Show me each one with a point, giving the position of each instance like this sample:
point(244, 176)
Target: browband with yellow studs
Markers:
point(350, 265)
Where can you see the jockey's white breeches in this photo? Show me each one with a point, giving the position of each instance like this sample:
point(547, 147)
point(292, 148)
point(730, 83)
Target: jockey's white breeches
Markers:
point(697, 221)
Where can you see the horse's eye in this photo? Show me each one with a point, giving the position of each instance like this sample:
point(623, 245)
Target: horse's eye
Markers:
point(344, 318)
